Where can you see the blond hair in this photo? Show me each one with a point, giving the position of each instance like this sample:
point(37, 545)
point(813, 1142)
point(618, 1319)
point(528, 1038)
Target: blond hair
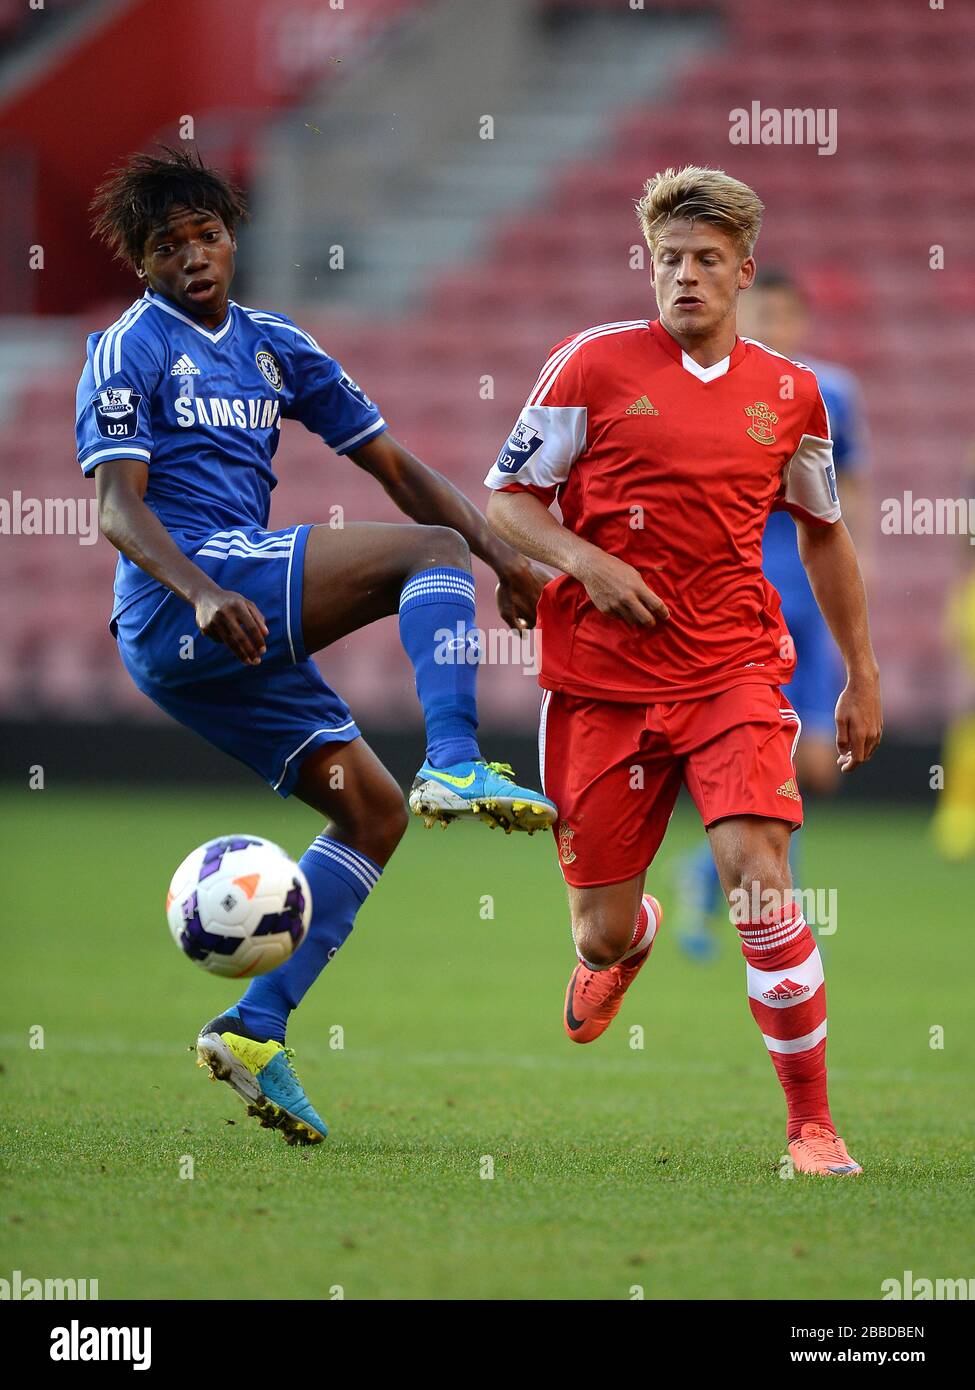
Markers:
point(703, 195)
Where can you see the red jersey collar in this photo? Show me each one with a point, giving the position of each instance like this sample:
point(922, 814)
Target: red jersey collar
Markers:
point(673, 348)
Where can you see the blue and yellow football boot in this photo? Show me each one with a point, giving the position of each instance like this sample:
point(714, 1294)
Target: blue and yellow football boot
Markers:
point(262, 1075)
point(483, 790)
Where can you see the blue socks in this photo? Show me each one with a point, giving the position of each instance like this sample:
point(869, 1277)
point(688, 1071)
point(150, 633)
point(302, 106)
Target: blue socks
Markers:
point(436, 618)
point(340, 879)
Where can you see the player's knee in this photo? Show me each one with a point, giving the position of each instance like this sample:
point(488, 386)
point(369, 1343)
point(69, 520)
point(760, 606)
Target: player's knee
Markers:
point(381, 831)
point(764, 886)
point(823, 782)
point(396, 820)
point(441, 545)
point(817, 770)
point(601, 939)
point(375, 821)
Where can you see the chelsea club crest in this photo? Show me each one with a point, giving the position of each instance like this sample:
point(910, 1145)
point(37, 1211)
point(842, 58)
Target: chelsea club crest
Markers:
point(270, 370)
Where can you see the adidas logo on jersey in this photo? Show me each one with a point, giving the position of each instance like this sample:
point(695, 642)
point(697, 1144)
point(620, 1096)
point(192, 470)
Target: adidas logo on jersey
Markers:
point(185, 366)
point(786, 989)
point(789, 789)
point(641, 407)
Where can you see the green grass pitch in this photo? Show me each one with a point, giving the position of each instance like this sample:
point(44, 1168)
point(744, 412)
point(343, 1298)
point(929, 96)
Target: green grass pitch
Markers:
point(615, 1169)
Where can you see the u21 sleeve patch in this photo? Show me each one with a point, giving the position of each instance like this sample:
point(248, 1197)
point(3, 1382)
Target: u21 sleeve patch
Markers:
point(521, 444)
point(116, 411)
point(356, 390)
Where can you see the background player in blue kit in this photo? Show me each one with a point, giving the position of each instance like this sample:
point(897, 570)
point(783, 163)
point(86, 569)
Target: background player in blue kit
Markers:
point(179, 412)
point(775, 312)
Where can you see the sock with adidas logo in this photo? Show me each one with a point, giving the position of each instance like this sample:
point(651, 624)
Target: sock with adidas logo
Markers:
point(787, 996)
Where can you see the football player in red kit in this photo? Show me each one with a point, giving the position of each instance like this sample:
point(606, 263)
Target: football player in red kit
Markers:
point(667, 443)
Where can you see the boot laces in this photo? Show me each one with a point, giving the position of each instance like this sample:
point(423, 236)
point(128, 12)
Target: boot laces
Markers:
point(598, 985)
point(824, 1145)
point(504, 770)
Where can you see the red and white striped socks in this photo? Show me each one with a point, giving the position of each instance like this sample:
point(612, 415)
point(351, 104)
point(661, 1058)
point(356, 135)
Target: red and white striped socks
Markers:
point(787, 996)
point(643, 932)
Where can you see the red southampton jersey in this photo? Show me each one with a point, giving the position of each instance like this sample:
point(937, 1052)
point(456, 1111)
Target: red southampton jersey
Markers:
point(674, 468)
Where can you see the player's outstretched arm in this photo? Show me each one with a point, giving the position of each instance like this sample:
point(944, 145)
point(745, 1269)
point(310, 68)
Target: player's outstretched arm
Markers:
point(135, 530)
point(429, 498)
point(834, 573)
point(615, 587)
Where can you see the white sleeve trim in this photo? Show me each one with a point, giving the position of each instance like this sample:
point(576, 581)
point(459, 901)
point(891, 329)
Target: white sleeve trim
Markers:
point(542, 447)
point(380, 424)
point(810, 479)
point(118, 453)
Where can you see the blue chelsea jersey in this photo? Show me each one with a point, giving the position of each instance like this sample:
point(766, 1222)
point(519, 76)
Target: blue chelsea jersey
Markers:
point(203, 407)
point(780, 548)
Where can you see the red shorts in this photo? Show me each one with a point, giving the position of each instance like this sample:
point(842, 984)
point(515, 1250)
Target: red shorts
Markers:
point(614, 771)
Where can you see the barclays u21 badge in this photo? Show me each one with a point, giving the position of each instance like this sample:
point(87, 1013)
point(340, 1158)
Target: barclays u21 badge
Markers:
point(522, 442)
point(117, 412)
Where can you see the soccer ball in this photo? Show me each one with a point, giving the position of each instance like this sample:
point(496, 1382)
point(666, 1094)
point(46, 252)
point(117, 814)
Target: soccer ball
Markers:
point(238, 906)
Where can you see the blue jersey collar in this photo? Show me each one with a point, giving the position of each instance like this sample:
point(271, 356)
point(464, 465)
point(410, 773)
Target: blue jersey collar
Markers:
point(168, 307)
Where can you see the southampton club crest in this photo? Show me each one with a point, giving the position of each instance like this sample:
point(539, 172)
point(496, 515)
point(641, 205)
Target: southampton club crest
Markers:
point(566, 853)
point(762, 420)
point(270, 370)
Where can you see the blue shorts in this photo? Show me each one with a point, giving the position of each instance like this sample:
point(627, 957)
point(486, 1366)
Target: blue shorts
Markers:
point(269, 716)
point(818, 680)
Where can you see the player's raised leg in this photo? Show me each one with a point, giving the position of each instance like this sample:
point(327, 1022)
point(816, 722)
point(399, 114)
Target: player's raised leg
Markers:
point(370, 571)
point(614, 927)
point(786, 987)
point(245, 1045)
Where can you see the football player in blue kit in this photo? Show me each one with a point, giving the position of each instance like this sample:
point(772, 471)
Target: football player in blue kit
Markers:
point(179, 412)
point(775, 312)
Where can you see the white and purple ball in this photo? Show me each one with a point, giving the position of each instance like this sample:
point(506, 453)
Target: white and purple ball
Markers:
point(238, 906)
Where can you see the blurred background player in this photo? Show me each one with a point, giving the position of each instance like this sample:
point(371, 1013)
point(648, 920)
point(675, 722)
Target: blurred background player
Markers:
point(775, 312)
point(953, 826)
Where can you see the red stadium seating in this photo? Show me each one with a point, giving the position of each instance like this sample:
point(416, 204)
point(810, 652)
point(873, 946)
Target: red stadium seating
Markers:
point(856, 226)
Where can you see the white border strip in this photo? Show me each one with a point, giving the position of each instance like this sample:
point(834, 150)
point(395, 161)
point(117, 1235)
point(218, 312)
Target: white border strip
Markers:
point(803, 1044)
point(542, 727)
point(287, 596)
point(349, 724)
point(115, 454)
point(554, 365)
point(358, 438)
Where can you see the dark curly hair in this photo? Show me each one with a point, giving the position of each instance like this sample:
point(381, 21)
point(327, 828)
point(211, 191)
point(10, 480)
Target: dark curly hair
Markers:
point(135, 197)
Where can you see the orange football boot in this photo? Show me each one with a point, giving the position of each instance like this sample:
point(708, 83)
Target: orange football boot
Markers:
point(594, 997)
point(818, 1151)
